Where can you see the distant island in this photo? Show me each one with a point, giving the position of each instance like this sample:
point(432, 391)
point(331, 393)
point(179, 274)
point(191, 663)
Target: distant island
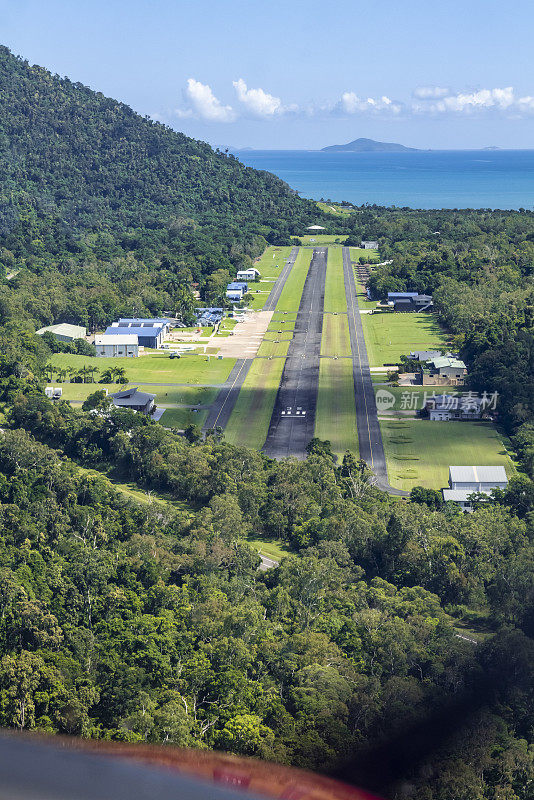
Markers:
point(368, 146)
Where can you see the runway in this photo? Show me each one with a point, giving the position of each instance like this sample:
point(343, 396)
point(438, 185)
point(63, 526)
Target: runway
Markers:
point(369, 434)
point(293, 418)
point(224, 403)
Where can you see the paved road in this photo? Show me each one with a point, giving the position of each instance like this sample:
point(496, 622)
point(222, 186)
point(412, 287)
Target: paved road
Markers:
point(226, 399)
point(369, 434)
point(293, 418)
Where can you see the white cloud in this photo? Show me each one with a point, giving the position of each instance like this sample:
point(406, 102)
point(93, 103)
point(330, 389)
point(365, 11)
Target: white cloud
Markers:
point(351, 103)
point(203, 103)
point(430, 92)
point(526, 103)
point(471, 102)
point(257, 101)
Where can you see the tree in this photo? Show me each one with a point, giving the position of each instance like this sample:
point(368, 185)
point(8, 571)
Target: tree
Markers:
point(97, 401)
point(245, 734)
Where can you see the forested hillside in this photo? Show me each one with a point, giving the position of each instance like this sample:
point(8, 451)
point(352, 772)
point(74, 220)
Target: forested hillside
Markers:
point(120, 211)
point(479, 267)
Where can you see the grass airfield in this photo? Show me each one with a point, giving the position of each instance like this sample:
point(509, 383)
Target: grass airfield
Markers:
point(418, 452)
point(389, 335)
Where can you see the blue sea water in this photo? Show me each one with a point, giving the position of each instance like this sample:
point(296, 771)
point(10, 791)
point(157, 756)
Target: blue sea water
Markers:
point(426, 179)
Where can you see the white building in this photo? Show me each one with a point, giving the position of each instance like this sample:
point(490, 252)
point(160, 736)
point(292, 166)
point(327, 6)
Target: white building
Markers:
point(315, 228)
point(251, 274)
point(368, 245)
point(117, 345)
point(465, 481)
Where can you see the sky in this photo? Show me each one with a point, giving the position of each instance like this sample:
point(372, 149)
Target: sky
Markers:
point(287, 74)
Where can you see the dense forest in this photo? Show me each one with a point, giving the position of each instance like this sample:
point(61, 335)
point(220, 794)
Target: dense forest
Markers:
point(147, 620)
point(120, 213)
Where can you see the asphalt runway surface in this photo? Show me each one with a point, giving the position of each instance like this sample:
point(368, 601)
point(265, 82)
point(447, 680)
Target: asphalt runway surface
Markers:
point(293, 418)
point(224, 403)
point(369, 434)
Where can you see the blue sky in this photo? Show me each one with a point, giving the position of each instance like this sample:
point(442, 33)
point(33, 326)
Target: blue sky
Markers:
point(298, 74)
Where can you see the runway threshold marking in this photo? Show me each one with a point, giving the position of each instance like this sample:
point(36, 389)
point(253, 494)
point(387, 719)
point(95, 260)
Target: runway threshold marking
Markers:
point(352, 295)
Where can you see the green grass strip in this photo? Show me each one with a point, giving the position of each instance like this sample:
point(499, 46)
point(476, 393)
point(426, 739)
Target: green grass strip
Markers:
point(292, 291)
point(334, 293)
point(420, 452)
point(336, 411)
point(335, 340)
point(250, 418)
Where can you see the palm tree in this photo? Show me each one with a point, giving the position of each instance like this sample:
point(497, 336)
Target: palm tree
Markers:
point(92, 371)
point(61, 374)
point(82, 372)
point(49, 372)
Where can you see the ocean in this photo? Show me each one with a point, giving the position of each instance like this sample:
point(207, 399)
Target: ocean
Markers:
point(426, 179)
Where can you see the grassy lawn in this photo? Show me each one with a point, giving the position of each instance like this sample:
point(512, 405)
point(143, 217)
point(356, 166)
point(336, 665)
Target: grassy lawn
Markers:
point(226, 326)
point(336, 412)
point(335, 210)
point(182, 417)
point(272, 548)
point(358, 252)
point(283, 321)
point(334, 293)
point(188, 395)
point(282, 325)
point(388, 336)
point(292, 291)
point(250, 418)
point(270, 347)
point(420, 452)
point(335, 340)
point(259, 298)
point(76, 393)
point(270, 266)
point(403, 395)
point(271, 262)
point(321, 239)
point(156, 368)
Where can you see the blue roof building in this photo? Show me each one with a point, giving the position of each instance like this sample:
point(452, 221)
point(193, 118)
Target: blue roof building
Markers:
point(236, 290)
point(148, 335)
